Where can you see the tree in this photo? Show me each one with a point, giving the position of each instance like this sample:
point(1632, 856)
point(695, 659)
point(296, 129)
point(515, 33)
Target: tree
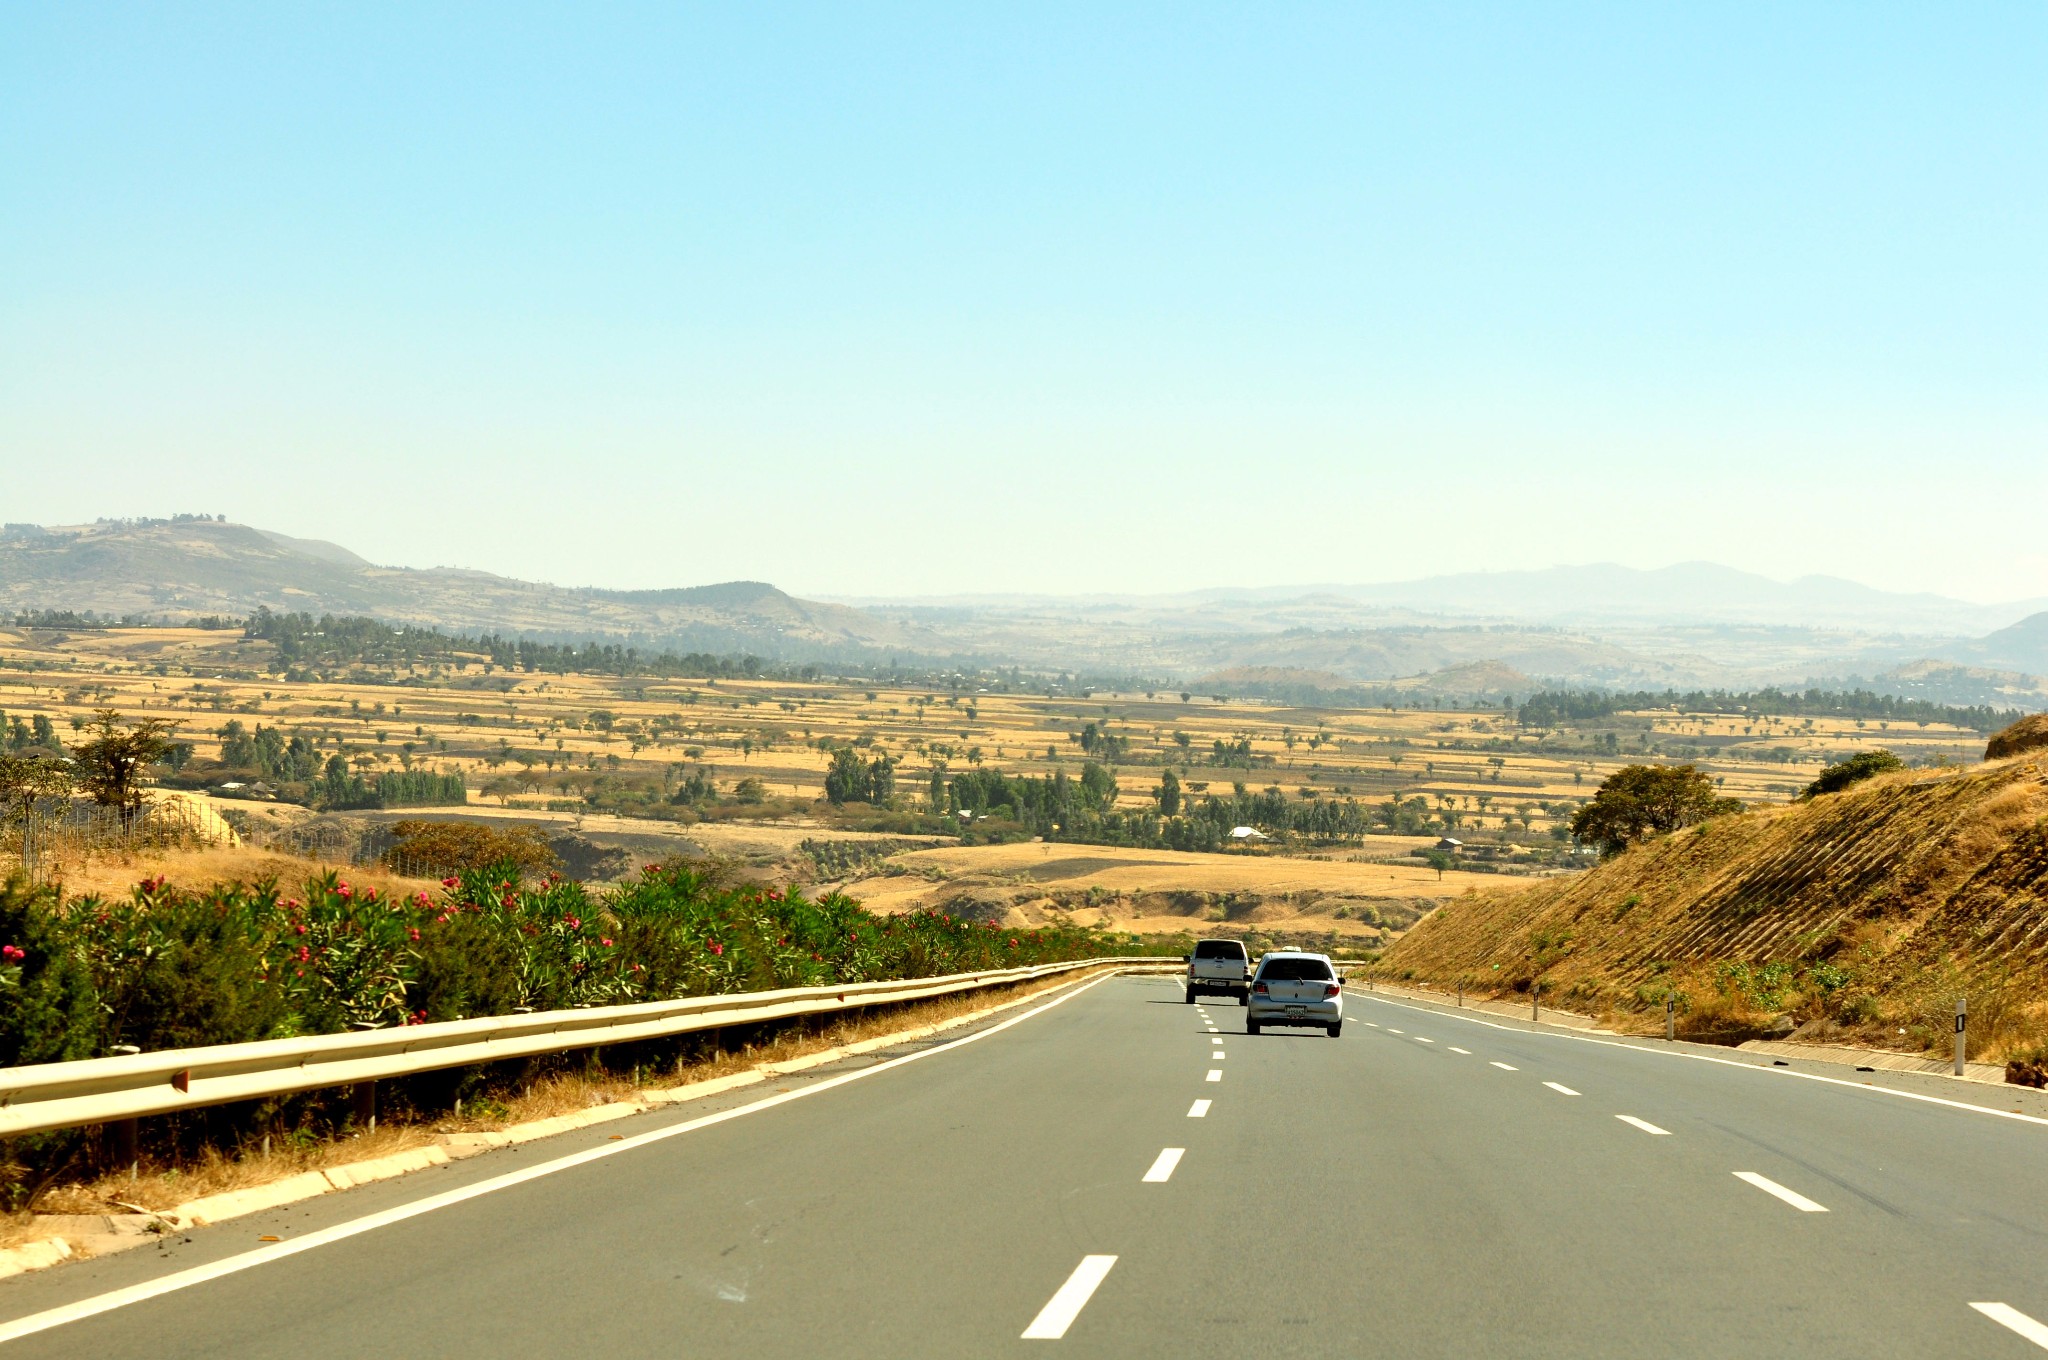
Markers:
point(1168, 793)
point(1857, 768)
point(113, 764)
point(1438, 860)
point(1639, 801)
point(25, 784)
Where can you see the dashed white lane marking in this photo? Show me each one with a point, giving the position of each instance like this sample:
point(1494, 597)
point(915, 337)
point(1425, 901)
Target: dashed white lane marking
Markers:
point(1561, 1090)
point(1645, 1125)
point(1791, 1197)
point(1216, 1056)
point(1392, 1030)
point(1863, 1086)
point(1198, 1110)
point(1064, 1306)
point(1163, 1165)
point(1217, 1042)
point(1505, 1068)
point(1215, 1075)
point(1466, 1051)
point(1420, 1040)
point(1370, 1023)
point(2007, 1316)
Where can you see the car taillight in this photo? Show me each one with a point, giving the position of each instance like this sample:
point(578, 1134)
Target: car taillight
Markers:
point(1331, 989)
point(1258, 989)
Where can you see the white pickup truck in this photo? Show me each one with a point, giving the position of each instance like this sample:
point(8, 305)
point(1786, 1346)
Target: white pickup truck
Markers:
point(1220, 966)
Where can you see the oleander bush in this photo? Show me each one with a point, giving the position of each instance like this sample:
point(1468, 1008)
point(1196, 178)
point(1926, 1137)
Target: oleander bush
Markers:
point(169, 967)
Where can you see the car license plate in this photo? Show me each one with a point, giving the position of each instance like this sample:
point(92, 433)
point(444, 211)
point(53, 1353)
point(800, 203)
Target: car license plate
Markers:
point(1297, 1010)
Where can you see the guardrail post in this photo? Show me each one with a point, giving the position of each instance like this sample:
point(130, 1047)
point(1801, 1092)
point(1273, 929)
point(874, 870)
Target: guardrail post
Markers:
point(1535, 987)
point(1962, 1024)
point(365, 1096)
point(122, 1139)
point(1670, 1022)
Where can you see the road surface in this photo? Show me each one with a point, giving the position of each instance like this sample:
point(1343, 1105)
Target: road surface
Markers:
point(1115, 1173)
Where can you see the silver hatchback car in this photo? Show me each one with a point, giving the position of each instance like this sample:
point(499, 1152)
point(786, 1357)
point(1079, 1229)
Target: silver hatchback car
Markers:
point(1292, 988)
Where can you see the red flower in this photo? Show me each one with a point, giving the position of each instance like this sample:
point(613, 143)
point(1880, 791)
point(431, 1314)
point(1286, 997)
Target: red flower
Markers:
point(412, 932)
point(573, 922)
point(649, 868)
point(370, 895)
point(419, 899)
point(442, 919)
point(299, 927)
point(13, 953)
point(717, 948)
point(605, 940)
point(344, 891)
point(305, 956)
point(451, 882)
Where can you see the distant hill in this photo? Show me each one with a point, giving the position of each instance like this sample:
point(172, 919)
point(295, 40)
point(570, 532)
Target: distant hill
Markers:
point(187, 567)
point(2022, 647)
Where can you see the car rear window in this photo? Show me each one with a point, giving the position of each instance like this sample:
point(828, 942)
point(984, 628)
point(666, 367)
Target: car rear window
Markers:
point(1219, 949)
point(1294, 970)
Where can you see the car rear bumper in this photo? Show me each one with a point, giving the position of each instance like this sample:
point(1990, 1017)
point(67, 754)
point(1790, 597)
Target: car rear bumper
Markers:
point(1266, 1012)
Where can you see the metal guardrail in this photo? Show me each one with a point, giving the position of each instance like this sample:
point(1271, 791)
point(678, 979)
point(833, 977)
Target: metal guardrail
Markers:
point(66, 1095)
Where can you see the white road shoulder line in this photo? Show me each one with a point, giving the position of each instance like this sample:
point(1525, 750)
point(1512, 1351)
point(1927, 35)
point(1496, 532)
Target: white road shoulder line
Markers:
point(1199, 1110)
point(1560, 1089)
point(1791, 1197)
point(1645, 1125)
point(277, 1251)
point(2007, 1316)
point(1163, 1165)
point(1505, 1068)
point(1214, 1075)
point(1706, 1058)
point(1064, 1306)
point(1466, 1051)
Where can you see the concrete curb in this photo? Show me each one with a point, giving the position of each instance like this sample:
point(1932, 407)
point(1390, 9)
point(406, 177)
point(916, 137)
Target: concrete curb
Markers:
point(101, 1234)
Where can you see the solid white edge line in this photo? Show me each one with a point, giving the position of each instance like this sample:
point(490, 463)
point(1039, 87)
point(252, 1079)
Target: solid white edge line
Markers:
point(1198, 1110)
point(1163, 1165)
point(1708, 1058)
point(1067, 1302)
point(277, 1251)
point(1791, 1197)
point(1560, 1089)
point(1645, 1125)
point(2007, 1316)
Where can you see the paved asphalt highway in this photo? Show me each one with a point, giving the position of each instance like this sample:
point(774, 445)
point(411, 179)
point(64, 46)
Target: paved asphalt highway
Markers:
point(1119, 1174)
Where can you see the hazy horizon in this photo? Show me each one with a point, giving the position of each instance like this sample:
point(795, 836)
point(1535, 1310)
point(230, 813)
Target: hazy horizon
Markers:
point(903, 302)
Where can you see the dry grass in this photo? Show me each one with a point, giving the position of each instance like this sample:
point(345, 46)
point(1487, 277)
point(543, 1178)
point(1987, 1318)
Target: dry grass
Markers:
point(115, 875)
point(1865, 913)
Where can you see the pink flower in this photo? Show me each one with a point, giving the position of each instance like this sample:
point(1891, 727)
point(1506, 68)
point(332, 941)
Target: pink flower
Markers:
point(451, 882)
point(305, 956)
point(419, 899)
point(344, 891)
point(299, 926)
point(717, 948)
point(412, 932)
point(605, 940)
point(370, 895)
point(573, 922)
point(442, 919)
point(13, 953)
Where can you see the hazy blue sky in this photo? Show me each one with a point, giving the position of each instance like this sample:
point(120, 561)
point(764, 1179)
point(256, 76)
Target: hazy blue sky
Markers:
point(899, 299)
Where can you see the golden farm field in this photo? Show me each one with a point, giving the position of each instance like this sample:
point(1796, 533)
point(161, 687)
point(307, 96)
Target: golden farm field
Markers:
point(601, 743)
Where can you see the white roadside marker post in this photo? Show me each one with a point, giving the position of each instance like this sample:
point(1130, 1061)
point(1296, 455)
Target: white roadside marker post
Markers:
point(1670, 1025)
point(1962, 1022)
point(1534, 987)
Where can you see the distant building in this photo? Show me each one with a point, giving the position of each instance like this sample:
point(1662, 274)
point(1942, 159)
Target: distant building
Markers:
point(1451, 843)
point(1242, 834)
